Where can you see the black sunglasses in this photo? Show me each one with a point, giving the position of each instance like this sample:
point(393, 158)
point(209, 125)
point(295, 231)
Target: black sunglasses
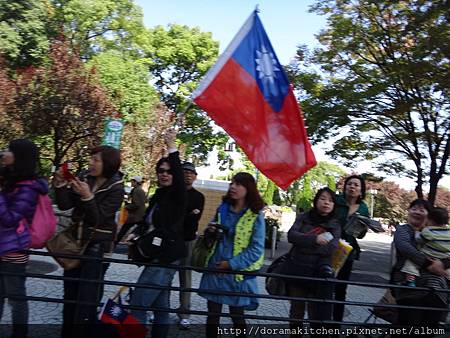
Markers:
point(163, 171)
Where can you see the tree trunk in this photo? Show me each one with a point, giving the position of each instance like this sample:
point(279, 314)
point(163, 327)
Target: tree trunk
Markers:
point(419, 186)
point(434, 179)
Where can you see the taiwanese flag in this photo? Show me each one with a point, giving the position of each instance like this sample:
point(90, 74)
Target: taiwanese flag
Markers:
point(248, 94)
point(126, 325)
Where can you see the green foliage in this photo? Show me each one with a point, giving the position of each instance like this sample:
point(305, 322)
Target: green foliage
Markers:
point(127, 83)
point(277, 197)
point(301, 192)
point(95, 26)
point(179, 57)
point(269, 192)
point(23, 31)
point(331, 182)
point(381, 85)
point(305, 196)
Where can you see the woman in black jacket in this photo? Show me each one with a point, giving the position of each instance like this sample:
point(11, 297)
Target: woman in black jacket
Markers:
point(166, 211)
point(314, 235)
point(95, 198)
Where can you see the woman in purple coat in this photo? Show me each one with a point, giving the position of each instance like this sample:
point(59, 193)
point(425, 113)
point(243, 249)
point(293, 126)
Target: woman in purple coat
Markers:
point(19, 194)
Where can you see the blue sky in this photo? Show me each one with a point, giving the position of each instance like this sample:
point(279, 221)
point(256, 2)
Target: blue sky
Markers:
point(287, 22)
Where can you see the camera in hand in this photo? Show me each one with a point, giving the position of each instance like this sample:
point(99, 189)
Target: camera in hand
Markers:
point(215, 233)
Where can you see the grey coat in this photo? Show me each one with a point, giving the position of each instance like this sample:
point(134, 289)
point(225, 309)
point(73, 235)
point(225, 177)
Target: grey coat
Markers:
point(136, 208)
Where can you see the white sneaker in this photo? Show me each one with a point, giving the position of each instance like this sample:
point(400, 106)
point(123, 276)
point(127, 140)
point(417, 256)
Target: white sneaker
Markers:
point(185, 324)
point(151, 317)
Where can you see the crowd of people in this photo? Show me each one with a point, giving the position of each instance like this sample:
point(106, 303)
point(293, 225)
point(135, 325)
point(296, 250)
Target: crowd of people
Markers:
point(238, 229)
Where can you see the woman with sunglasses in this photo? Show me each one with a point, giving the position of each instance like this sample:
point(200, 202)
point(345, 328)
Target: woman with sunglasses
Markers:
point(166, 211)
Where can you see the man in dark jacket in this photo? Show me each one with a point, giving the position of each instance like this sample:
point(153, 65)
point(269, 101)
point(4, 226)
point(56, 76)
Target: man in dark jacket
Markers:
point(194, 209)
point(135, 208)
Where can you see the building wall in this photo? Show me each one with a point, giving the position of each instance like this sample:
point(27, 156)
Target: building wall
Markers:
point(213, 191)
point(213, 198)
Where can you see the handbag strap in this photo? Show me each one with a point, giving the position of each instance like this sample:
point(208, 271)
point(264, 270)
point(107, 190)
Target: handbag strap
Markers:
point(80, 235)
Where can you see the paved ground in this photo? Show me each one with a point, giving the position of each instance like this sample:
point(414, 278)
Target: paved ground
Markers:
point(374, 266)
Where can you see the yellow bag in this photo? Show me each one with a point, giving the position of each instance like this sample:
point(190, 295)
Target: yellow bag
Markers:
point(340, 255)
point(123, 216)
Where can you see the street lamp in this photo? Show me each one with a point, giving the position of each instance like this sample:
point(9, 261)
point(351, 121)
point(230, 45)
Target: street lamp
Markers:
point(372, 193)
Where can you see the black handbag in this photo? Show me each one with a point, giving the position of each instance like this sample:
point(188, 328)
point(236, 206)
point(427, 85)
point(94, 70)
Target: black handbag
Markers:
point(275, 285)
point(161, 244)
point(355, 227)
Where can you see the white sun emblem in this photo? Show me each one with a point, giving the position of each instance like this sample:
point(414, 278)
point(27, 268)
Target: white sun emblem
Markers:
point(115, 311)
point(267, 66)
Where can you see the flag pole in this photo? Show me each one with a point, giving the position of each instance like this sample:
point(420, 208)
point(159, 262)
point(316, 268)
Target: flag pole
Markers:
point(179, 121)
point(257, 8)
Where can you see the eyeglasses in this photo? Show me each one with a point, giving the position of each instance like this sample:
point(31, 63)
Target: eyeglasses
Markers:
point(163, 171)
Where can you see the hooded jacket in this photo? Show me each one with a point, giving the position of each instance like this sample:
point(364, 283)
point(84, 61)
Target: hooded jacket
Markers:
point(168, 205)
point(99, 212)
point(15, 205)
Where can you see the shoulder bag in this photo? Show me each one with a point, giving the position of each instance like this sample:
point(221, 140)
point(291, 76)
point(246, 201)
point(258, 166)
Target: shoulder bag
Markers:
point(201, 250)
point(68, 241)
point(162, 244)
point(276, 285)
point(389, 314)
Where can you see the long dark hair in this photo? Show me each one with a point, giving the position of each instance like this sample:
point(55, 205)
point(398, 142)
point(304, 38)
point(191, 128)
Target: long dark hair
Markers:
point(253, 199)
point(26, 160)
point(363, 186)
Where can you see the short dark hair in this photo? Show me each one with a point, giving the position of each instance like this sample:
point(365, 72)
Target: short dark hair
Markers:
point(320, 192)
point(253, 199)
point(420, 203)
point(438, 215)
point(363, 186)
point(110, 158)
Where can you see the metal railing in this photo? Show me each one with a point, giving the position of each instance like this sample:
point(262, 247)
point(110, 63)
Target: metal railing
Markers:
point(248, 315)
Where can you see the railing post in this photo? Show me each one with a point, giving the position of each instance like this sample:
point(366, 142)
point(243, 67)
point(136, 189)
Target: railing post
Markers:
point(274, 241)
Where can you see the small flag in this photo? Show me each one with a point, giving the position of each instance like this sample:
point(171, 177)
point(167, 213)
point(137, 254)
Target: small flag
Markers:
point(248, 94)
point(127, 325)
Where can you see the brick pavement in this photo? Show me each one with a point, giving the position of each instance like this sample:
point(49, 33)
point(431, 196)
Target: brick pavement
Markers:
point(50, 313)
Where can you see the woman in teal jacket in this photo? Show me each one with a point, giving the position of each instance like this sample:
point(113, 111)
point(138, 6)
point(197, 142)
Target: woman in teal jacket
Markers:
point(348, 204)
point(240, 247)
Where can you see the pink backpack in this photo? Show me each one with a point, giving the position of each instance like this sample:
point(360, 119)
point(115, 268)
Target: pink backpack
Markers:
point(43, 225)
